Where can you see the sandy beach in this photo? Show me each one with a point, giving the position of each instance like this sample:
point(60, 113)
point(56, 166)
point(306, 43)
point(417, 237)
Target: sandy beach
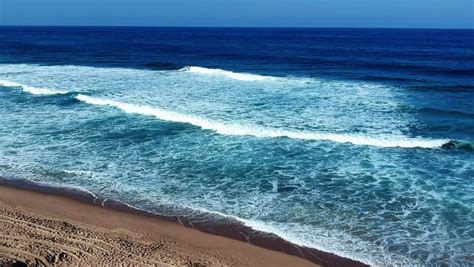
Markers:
point(41, 229)
point(236, 133)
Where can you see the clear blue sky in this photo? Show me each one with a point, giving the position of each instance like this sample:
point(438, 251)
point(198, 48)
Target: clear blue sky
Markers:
point(271, 13)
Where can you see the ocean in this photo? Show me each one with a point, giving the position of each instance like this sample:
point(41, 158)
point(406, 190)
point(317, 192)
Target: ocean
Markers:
point(358, 142)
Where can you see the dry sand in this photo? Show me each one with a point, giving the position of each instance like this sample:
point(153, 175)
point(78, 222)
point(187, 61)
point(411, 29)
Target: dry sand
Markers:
point(44, 230)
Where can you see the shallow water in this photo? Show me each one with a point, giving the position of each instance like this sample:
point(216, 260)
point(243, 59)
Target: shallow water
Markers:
point(366, 153)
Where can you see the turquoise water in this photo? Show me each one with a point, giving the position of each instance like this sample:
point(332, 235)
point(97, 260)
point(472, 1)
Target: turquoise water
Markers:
point(376, 171)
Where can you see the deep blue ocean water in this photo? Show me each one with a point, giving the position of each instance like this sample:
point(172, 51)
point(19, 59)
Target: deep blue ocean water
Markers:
point(352, 141)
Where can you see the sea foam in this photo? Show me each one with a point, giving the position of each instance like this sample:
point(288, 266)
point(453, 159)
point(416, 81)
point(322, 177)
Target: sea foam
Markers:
point(31, 89)
point(264, 132)
point(228, 74)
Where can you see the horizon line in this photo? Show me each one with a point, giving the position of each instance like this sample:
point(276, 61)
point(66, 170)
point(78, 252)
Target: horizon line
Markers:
point(250, 27)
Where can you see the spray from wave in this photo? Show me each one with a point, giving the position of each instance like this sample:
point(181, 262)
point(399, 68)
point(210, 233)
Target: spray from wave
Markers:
point(228, 74)
point(31, 89)
point(262, 132)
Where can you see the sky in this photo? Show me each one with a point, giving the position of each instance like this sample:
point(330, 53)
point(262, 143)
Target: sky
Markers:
point(241, 13)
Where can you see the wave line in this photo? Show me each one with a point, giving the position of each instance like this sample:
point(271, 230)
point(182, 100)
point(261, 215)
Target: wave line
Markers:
point(225, 73)
point(262, 132)
point(31, 89)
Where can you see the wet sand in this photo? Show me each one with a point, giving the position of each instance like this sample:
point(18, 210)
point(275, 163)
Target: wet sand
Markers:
point(46, 227)
point(43, 229)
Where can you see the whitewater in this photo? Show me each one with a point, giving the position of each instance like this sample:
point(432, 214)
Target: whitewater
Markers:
point(227, 128)
point(343, 166)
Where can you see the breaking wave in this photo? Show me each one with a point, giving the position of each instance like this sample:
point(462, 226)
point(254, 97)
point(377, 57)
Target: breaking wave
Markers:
point(264, 132)
point(228, 74)
point(31, 89)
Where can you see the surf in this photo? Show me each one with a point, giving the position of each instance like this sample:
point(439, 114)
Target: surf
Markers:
point(227, 74)
point(263, 132)
point(31, 89)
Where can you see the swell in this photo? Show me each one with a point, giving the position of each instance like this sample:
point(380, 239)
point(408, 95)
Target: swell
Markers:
point(445, 112)
point(158, 65)
point(459, 145)
point(263, 132)
point(425, 68)
point(208, 222)
point(455, 88)
point(379, 78)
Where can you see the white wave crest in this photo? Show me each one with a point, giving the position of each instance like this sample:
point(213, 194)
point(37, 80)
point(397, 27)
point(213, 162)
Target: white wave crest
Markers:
point(225, 73)
point(263, 132)
point(31, 89)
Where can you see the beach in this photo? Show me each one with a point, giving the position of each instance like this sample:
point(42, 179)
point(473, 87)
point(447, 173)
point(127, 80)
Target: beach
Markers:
point(340, 147)
point(47, 229)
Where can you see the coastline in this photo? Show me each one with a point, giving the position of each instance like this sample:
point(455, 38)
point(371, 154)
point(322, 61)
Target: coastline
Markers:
point(206, 243)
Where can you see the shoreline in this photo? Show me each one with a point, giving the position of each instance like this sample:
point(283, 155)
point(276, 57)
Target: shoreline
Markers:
point(230, 230)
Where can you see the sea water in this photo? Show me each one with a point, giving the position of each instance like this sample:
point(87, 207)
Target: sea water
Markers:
point(352, 141)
